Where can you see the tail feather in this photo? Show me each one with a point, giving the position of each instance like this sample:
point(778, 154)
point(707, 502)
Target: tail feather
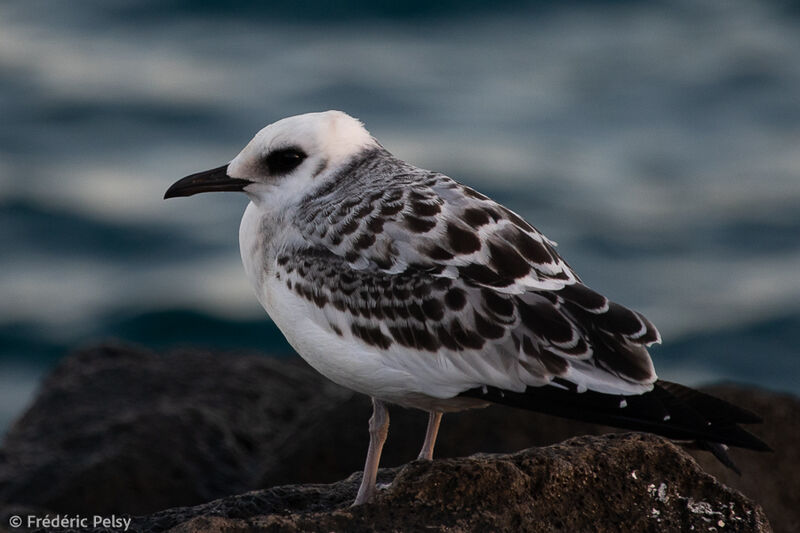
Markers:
point(720, 451)
point(670, 410)
point(710, 406)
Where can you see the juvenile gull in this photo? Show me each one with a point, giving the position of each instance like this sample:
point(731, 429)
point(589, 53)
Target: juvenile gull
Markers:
point(405, 285)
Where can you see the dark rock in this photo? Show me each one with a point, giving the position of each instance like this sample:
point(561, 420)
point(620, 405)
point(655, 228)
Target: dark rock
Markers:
point(121, 430)
point(772, 479)
point(620, 483)
point(118, 430)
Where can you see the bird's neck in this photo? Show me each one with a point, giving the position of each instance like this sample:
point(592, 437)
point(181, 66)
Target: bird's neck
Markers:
point(263, 234)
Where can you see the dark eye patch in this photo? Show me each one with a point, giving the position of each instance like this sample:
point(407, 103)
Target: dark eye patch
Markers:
point(284, 160)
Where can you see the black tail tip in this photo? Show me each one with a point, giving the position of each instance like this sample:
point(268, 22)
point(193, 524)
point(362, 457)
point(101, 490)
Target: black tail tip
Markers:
point(720, 451)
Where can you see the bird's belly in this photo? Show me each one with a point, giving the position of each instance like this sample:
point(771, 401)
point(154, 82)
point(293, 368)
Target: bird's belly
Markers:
point(352, 365)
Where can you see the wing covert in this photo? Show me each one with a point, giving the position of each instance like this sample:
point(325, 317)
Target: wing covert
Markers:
point(427, 219)
point(472, 333)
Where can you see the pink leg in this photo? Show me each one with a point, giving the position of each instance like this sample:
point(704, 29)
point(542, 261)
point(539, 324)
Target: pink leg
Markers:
point(434, 418)
point(378, 429)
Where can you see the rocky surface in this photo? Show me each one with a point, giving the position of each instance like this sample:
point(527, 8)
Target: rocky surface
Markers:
point(625, 482)
point(122, 430)
point(118, 430)
point(772, 479)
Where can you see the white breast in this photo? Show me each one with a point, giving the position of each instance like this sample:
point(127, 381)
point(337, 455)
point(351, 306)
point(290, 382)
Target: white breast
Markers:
point(352, 365)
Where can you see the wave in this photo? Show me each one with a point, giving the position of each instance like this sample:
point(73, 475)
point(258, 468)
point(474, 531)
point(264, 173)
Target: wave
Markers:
point(30, 227)
point(36, 344)
point(324, 11)
point(762, 353)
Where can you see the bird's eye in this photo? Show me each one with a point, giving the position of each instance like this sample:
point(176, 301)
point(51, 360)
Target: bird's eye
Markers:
point(284, 160)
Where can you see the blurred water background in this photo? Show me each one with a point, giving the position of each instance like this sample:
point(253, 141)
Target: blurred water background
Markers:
point(658, 143)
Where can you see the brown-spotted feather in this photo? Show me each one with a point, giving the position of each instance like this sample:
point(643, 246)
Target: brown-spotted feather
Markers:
point(428, 264)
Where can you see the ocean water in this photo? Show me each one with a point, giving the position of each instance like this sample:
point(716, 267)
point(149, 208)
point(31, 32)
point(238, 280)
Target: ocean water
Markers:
point(657, 142)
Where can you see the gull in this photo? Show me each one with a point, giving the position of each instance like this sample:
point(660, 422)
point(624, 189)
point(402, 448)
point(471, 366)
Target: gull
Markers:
point(407, 286)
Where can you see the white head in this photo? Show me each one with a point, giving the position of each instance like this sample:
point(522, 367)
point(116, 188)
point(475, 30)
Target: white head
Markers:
point(285, 160)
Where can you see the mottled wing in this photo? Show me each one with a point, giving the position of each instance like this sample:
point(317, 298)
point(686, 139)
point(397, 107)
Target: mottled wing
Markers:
point(427, 219)
point(425, 263)
point(456, 334)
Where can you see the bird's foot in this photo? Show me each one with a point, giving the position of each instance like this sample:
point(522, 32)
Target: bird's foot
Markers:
point(361, 500)
point(367, 495)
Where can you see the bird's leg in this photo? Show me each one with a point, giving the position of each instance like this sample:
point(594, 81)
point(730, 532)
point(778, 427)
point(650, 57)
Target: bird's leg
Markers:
point(378, 429)
point(434, 418)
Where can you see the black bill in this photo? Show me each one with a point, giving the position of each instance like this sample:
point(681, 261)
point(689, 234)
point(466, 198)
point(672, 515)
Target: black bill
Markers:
point(216, 179)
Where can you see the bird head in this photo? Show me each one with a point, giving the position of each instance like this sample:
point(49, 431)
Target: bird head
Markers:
point(284, 160)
